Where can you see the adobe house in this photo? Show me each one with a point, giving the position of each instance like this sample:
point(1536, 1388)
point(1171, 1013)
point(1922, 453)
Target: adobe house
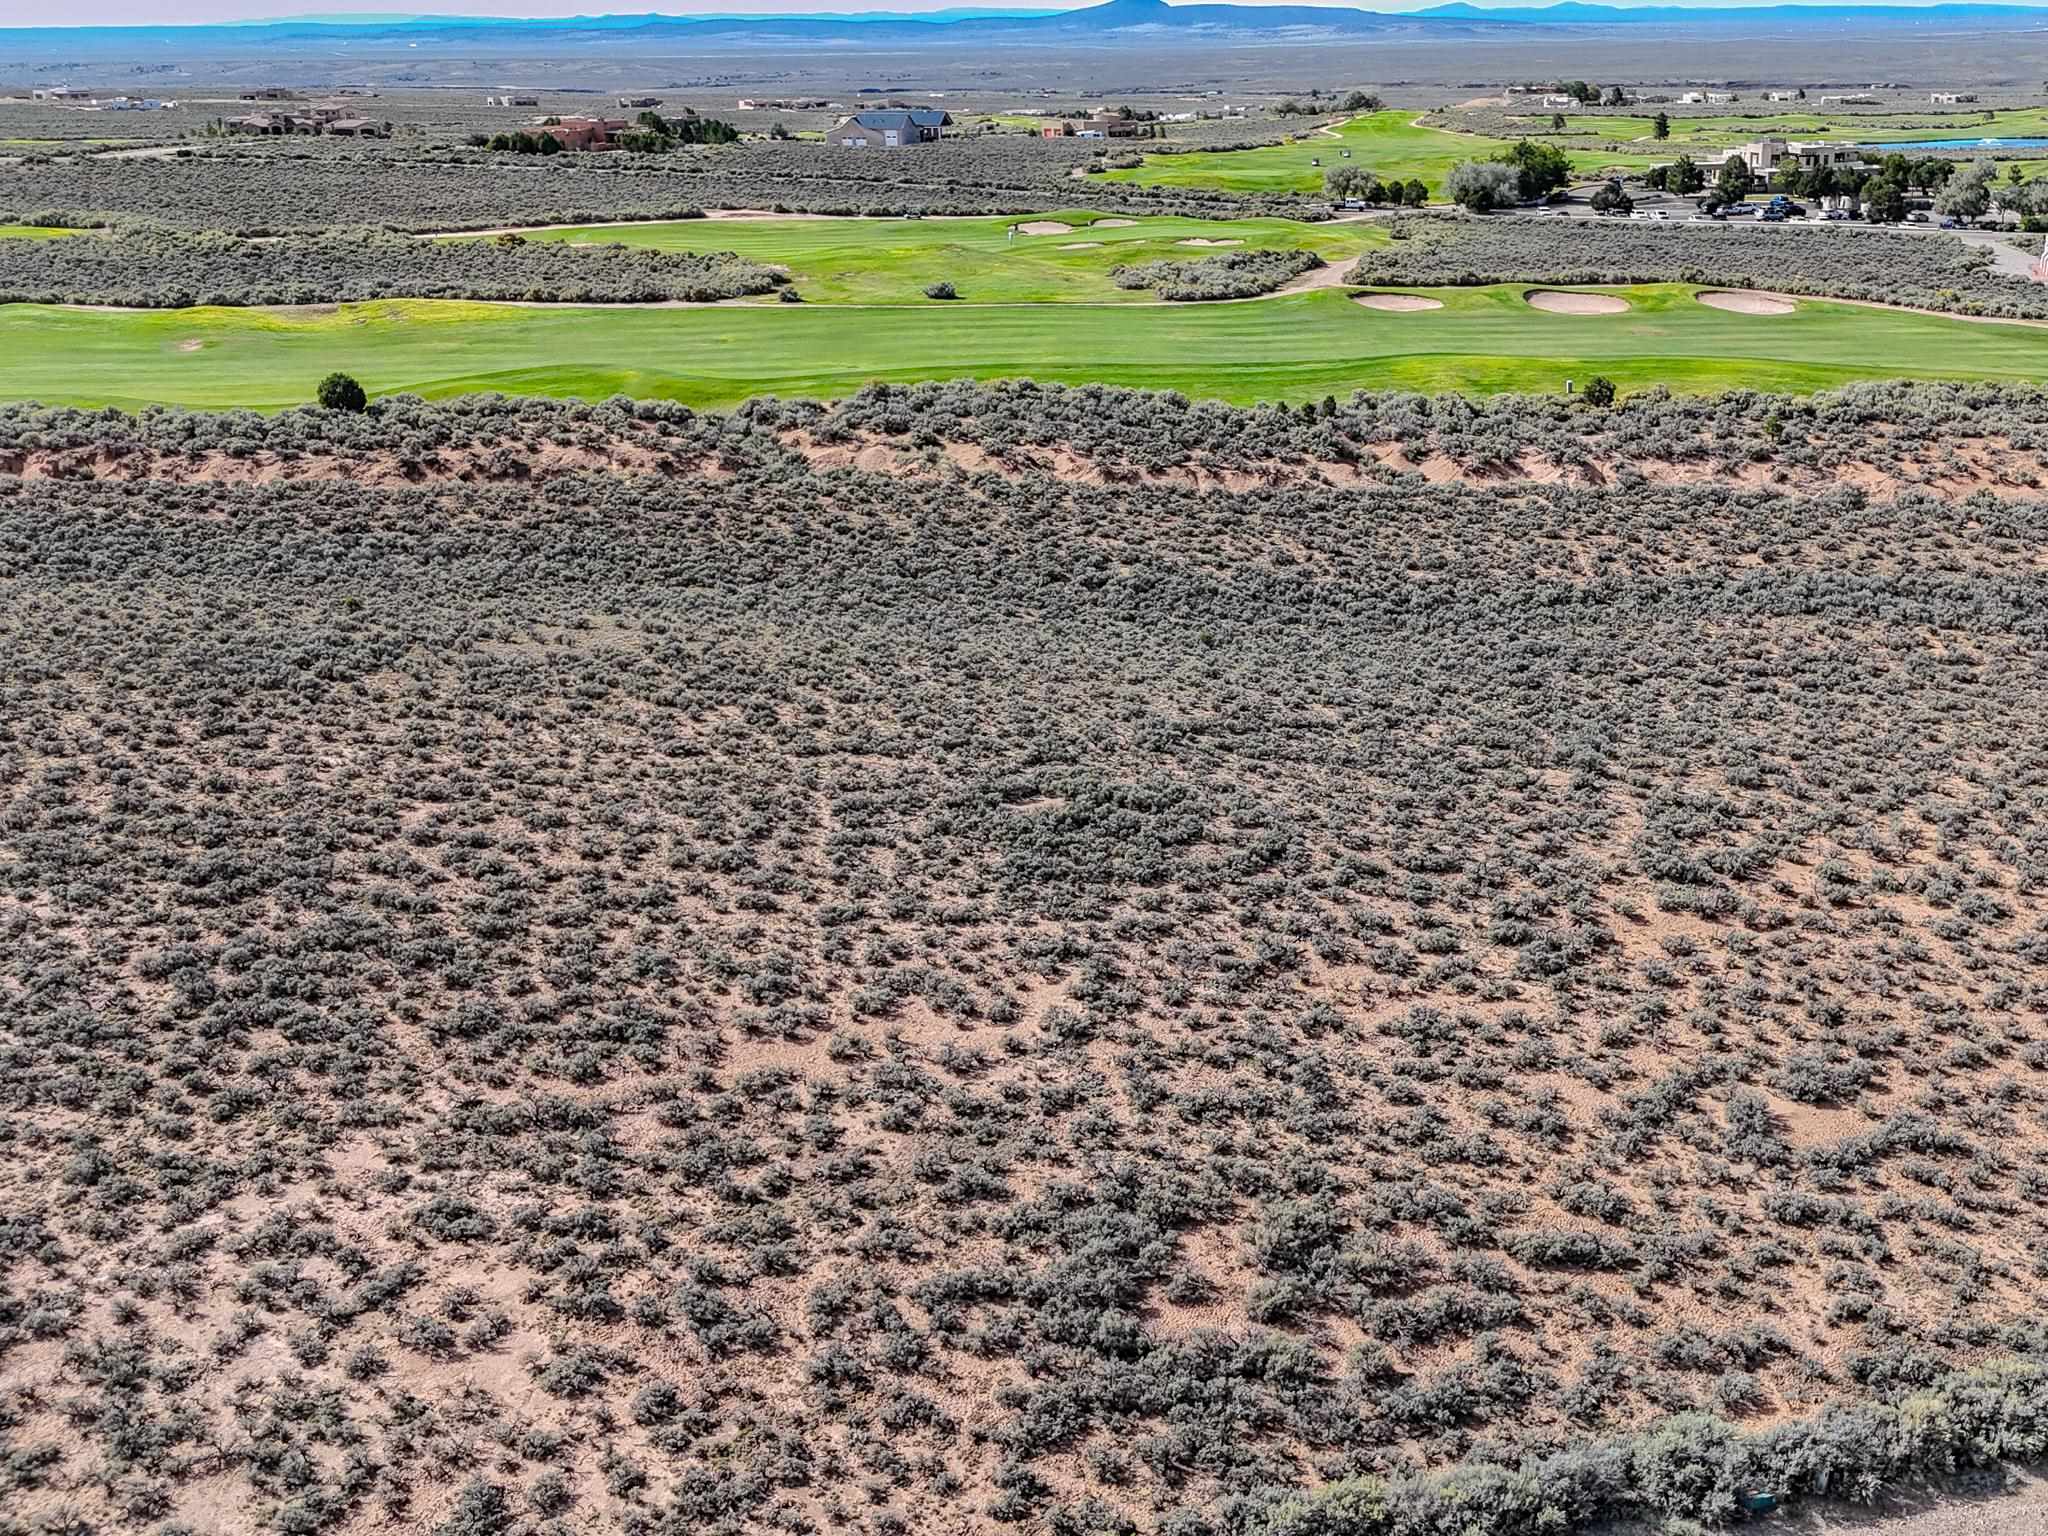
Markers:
point(585, 132)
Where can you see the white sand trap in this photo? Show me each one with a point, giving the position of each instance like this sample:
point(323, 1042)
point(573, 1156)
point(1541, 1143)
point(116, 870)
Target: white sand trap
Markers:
point(1397, 303)
point(1114, 224)
point(192, 344)
point(1046, 227)
point(1746, 303)
point(1555, 301)
point(1082, 245)
point(1200, 240)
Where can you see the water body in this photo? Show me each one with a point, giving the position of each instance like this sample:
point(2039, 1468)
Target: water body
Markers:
point(1922, 144)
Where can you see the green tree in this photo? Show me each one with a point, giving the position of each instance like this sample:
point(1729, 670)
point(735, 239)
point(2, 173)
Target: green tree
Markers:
point(1967, 194)
point(1415, 194)
point(1660, 126)
point(1557, 122)
point(1539, 168)
point(340, 392)
point(1600, 391)
point(1884, 201)
point(1481, 185)
point(1612, 199)
point(1684, 177)
point(1735, 180)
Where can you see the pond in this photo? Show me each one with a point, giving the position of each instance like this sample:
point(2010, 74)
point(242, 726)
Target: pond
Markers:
point(1928, 144)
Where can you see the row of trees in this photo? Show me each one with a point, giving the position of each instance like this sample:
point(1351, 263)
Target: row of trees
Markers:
point(1585, 94)
point(1350, 181)
point(1960, 191)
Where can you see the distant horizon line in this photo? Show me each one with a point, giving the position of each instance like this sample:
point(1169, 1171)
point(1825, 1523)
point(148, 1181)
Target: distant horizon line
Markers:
point(942, 13)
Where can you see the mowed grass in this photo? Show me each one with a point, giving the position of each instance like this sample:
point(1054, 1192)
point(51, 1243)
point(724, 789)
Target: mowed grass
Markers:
point(1295, 348)
point(34, 232)
point(1389, 144)
point(892, 261)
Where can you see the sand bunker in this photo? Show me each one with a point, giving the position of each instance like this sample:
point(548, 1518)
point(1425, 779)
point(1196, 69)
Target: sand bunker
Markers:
point(192, 344)
point(1200, 240)
point(1046, 227)
point(1114, 224)
point(1556, 301)
point(1397, 303)
point(1747, 303)
point(1082, 245)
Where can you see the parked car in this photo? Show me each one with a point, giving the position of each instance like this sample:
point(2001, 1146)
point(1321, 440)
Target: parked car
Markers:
point(1916, 217)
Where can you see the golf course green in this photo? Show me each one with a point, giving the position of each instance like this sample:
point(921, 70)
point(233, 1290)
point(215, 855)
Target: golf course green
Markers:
point(1293, 348)
point(1388, 144)
point(1038, 258)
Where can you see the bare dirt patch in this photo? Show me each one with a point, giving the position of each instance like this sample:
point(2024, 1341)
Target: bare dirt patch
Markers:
point(1737, 302)
point(1558, 301)
point(1397, 303)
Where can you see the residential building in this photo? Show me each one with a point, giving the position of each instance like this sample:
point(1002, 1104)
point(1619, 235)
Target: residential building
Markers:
point(1764, 156)
point(890, 128)
point(1781, 96)
point(61, 93)
point(268, 124)
point(585, 133)
point(347, 122)
point(639, 103)
point(1097, 125)
point(1951, 98)
point(1560, 101)
point(271, 93)
point(511, 101)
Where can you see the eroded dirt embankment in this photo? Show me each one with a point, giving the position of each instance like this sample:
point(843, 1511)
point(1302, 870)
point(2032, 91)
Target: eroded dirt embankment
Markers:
point(1967, 466)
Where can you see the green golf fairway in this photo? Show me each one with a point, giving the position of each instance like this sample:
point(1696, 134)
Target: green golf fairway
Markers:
point(891, 261)
point(1388, 144)
point(1294, 348)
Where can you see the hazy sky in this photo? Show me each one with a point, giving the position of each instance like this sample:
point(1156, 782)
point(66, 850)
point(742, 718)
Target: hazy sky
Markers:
point(39, 13)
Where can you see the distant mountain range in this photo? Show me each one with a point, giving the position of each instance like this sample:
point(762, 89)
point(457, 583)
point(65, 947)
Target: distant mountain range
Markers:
point(1573, 13)
point(1118, 22)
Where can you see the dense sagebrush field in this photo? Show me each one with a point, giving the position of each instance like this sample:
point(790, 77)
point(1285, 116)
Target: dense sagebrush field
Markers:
point(254, 189)
point(147, 267)
point(795, 972)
